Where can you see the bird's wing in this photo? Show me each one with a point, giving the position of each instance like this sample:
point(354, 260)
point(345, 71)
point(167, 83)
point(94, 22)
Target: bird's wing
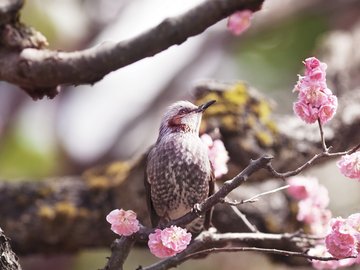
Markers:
point(208, 215)
point(147, 183)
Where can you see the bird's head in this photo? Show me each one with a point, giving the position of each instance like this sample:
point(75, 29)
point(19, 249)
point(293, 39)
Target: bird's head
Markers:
point(183, 116)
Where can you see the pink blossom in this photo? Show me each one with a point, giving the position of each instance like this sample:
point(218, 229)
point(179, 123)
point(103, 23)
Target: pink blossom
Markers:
point(349, 165)
point(354, 222)
point(302, 187)
point(327, 111)
point(312, 63)
point(313, 200)
point(316, 74)
point(315, 99)
point(175, 238)
point(168, 242)
point(123, 222)
point(239, 22)
point(321, 251)
point(314, 95)
point(321, 197)
point(320, 224)
point(310, 213)
point(157, 247)
point(217, 154)
point(341, 242)
point(306, 112)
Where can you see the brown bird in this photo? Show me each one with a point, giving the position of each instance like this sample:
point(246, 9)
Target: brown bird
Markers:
point(179, 174)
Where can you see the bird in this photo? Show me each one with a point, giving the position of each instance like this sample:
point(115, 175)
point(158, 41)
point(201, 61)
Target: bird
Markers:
point(178, 173)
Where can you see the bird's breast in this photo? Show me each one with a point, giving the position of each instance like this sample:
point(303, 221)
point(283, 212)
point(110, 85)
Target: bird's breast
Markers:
point(179, 172)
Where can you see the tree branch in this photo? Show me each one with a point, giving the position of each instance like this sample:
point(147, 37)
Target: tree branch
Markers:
point(39, 72)
point(8, 259)
point(120, 249)
point(208, 242)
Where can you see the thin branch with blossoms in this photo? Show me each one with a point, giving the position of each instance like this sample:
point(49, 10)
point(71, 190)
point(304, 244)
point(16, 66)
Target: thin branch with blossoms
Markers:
point(309, 162)
point(254, 166)
point(263, 250)
point(207, 242)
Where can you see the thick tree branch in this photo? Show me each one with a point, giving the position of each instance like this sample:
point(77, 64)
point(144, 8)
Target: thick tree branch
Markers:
point(120, 249)
point(41, 71)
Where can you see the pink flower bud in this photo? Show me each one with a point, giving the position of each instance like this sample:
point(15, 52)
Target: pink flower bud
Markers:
point(239, 22)
point(168, 242)
point(123, 222)
point(311, 63)
point(349, 165)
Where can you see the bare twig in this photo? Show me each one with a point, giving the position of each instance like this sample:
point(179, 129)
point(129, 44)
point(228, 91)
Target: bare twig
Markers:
point(243, 217)
point(254, 198)
point(263, 250)
point(41, 71)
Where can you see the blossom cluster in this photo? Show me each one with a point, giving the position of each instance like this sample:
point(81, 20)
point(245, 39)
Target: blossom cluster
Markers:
point(162, 243)
point(313, 200)
point(217, 154)
point(349, 165)
point(342, 236)
point(169, 241)
point(239, 22)
point(315, 99)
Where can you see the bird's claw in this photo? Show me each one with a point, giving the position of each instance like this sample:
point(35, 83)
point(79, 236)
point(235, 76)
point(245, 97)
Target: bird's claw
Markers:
point(197, 209)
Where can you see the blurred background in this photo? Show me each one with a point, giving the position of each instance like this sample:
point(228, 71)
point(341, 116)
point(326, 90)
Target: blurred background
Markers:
point(118, 117)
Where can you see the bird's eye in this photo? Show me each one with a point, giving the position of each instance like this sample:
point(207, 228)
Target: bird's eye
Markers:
point(182, 111)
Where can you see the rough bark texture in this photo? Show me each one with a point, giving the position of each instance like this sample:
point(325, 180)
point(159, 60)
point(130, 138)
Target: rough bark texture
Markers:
point(8, 259)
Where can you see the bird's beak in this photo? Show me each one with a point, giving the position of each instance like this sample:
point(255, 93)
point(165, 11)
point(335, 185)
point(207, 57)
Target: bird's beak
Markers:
point(204, 106)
